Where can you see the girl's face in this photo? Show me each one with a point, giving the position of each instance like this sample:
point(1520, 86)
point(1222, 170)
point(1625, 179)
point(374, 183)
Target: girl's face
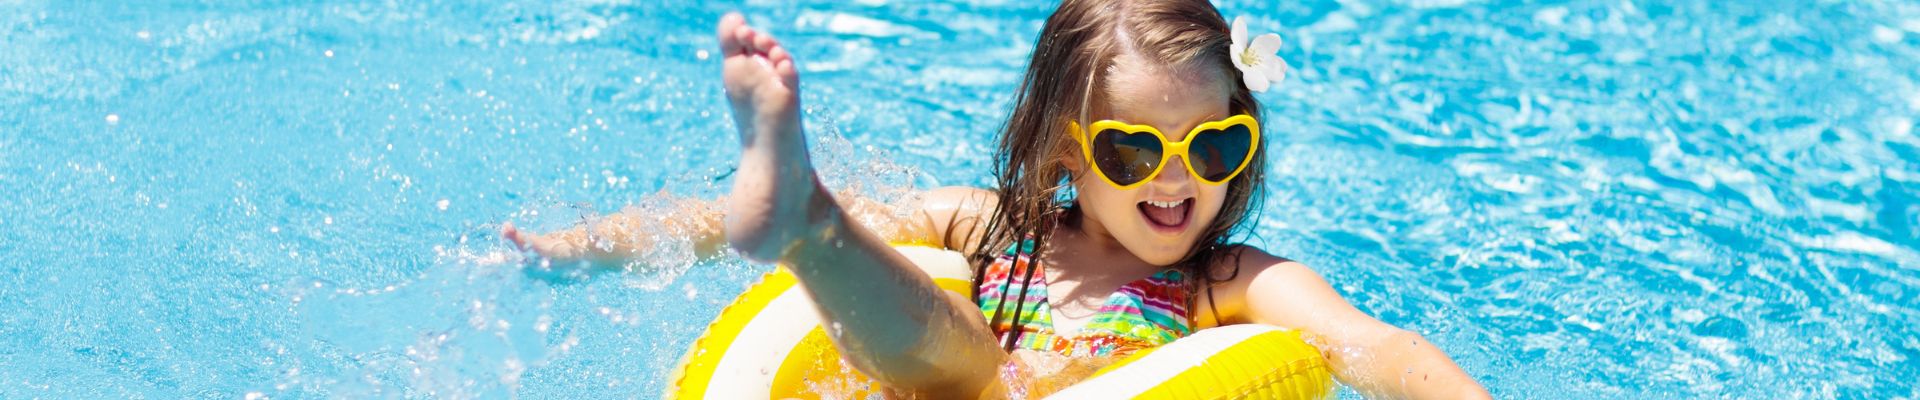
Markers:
point(1161, 220)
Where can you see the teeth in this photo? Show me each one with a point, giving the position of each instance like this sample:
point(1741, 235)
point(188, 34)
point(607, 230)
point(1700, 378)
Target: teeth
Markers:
point(1165, 204)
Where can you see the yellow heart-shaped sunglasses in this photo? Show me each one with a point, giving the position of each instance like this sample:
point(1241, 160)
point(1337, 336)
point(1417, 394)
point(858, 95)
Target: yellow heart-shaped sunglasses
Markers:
point(1128, 155)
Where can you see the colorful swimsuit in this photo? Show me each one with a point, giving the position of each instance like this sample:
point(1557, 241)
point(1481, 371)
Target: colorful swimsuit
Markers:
point(1142, 314)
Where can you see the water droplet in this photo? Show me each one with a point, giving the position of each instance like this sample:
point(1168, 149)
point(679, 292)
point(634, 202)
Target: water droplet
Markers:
point(442, 204)
point(113, 118)
point(328, 53)
point(702, 55)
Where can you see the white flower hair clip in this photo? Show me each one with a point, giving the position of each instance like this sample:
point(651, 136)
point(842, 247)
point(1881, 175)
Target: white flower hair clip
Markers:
point(1259, 61)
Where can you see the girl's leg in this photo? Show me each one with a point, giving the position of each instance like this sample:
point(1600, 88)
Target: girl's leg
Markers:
point(886, 316)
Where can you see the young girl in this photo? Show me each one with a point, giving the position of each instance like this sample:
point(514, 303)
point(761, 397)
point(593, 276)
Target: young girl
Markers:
point(1134, 105)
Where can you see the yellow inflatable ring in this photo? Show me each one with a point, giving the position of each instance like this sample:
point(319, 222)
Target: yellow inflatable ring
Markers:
point(1228, 362)
point(768, 344)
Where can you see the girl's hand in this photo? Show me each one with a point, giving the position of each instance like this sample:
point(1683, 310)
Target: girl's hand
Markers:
point(574, 247)
point(1375, 358)
point(551, 247)
point(616, 240)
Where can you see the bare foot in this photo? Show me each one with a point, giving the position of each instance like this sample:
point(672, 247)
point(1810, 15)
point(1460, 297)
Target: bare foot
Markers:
point(775, 186)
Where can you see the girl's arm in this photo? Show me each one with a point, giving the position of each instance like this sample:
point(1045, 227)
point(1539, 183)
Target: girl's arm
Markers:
point(614, 240)
point(893, 322)
point(1377, 359)
point(888, 318)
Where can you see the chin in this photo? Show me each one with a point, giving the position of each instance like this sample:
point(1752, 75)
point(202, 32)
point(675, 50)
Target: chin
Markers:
point(1162, 251)
point(1163, 260)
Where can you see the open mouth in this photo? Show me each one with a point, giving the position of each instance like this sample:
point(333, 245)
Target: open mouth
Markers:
point(1167, 216)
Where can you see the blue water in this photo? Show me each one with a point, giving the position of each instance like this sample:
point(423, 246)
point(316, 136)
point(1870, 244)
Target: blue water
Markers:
point(292, 199)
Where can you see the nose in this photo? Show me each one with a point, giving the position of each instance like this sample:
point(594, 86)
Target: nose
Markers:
point(1174, 175)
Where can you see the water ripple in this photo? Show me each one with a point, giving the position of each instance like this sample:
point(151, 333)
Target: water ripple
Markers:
point(1575, 199)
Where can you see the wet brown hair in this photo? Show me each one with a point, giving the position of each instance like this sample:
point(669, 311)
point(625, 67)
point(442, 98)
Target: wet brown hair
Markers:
point(1078, 44)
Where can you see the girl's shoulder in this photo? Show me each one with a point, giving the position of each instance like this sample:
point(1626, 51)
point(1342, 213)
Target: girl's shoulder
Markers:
point(956, 216)
point(1249, 270)
point(1243, 261)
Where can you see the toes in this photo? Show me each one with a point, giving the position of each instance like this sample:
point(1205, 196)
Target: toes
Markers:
point(778, 54)
point(729, 45)
point(765, 43)
point(737, 38)
point(788, 75)
point(745, 36)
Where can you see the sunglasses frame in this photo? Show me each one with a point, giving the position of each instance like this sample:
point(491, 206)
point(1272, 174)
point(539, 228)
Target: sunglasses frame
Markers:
point(1170, 148)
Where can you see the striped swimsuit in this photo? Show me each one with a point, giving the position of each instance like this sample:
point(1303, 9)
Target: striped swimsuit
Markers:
point(1142, 314)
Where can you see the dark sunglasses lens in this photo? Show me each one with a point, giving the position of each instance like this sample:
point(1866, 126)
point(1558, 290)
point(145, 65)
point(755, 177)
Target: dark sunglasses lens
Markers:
point(1126, 158)
point(1217, 153)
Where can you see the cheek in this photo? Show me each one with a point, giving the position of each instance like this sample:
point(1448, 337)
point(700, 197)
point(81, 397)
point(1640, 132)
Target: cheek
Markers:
point(1098, 195)
point(1099, 200)
point(1212, 199)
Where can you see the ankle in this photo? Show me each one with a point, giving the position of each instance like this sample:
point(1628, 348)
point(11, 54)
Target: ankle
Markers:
point(824, 221)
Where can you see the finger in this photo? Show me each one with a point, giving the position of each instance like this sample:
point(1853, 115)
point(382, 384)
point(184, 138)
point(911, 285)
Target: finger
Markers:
point(552, 248)
point(512, 234)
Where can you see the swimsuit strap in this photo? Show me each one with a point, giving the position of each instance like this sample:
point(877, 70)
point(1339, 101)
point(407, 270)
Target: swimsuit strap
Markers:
point(1141, 314)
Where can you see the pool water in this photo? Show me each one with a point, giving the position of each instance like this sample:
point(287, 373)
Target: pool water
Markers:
point(297, 199)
